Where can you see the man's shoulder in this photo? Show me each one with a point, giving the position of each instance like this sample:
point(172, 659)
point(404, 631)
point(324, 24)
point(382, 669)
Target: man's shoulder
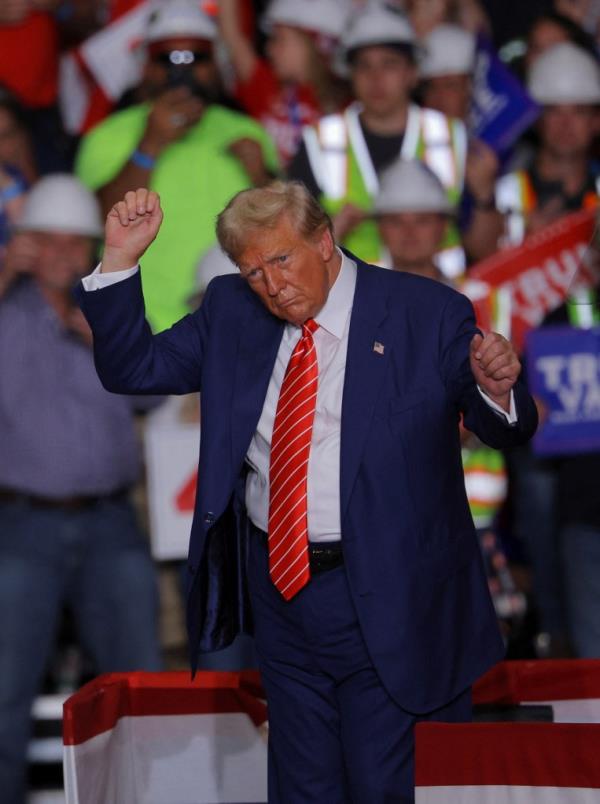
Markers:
point(22, 294)
point(222, 126)
point(229, 290)
point(231, 304)
point(226, 120)
point(406, 286)
point(103, 150)
point(118, 122)
point(227, 284)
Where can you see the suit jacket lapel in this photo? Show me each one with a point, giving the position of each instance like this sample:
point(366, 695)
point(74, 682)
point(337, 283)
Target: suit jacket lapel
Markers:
point(366, 364)
point(258, 343)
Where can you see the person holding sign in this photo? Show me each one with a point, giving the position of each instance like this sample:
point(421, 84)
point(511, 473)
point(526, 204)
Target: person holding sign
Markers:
point(561, 177)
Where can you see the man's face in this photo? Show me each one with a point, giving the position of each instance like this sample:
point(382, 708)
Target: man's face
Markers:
point(61, 259)
point(382, 79)
point(568, 130)
point(450, 94)
point(173, 57)
point(412, 238)
point(290, 274)
point(290, 53)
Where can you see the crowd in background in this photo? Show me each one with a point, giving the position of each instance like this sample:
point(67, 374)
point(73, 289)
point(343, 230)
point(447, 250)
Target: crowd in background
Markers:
point(370, 104)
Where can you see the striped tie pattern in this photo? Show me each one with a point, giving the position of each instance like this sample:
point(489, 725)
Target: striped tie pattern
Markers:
point(288, 470)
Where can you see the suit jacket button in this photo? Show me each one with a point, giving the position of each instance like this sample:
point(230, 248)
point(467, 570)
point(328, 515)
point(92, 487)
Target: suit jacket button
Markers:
point(209, 518)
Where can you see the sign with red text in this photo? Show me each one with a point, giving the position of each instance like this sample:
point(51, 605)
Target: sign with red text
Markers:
point(537, 276)
point(171, 448)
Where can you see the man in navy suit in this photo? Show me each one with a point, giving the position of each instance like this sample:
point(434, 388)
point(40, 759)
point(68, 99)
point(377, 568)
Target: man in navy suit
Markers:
point(377, 614)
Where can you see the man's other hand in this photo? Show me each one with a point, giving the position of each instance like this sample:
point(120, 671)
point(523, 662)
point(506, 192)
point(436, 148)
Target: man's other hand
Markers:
point(495, 366)
point(131, 226)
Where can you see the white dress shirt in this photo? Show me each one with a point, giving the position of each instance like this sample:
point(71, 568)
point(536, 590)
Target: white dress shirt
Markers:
point(323, 485)
point(331, 344)
point(97, 281)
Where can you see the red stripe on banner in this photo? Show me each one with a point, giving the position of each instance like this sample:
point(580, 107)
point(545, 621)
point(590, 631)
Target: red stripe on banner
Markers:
point(119, 7)
point(536, 754)
point(185, 499)
point(551, 680)
point(99, 705)
point(539, 273)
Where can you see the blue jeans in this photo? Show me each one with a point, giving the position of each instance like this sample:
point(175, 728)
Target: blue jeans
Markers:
point(96, 561)
point(535, 516)
point(581, 557)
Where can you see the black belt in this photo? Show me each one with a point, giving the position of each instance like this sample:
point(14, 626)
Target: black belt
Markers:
point(75, 503)
point(322, 556)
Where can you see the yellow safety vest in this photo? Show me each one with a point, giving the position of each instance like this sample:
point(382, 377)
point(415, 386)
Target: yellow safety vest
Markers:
point(486, 483)
point(342, 166)
point(516, 198)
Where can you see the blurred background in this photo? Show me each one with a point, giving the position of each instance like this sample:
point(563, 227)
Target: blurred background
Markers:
point(456, 139)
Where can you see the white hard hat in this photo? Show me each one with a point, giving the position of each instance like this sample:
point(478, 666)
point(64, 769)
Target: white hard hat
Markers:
point(180, 18)
point(61, 203)
point(410, 186)
point(377, 25)
point(213, 263)
point(565, 73)
point(447, 50)
point(327, 17)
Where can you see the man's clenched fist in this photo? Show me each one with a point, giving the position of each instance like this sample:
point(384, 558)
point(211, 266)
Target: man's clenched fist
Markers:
point(131, 225)
point(495, 366)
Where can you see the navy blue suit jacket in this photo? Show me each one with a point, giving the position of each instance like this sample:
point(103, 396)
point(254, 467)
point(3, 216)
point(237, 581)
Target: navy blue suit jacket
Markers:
point(412, 557)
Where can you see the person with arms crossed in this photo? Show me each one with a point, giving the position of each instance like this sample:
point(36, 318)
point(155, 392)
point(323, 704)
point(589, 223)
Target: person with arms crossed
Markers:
point(331, 520)
point(69, 534)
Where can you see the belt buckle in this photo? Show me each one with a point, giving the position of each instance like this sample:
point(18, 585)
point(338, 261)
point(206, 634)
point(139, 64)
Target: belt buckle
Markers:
point(322, 559)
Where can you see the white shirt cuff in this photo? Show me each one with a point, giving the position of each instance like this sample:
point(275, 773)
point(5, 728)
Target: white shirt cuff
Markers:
point(511, 417)
point(97, 280)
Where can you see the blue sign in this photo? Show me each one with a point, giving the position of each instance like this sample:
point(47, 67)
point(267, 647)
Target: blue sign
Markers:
point(563, 365)
point(501, 109)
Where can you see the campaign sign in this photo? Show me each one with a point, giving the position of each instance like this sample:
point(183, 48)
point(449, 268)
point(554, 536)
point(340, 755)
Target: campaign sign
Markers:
point(501, 109)
point(536, 276)
point(564, 371)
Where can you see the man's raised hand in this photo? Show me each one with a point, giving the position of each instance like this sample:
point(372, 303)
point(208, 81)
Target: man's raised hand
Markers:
point(131, 225)
point(495, 366)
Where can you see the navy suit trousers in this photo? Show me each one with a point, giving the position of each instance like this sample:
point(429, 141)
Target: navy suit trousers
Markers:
point(335, 735)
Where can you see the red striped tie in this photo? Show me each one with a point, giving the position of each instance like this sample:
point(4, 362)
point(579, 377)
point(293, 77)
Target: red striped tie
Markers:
point(288, 471)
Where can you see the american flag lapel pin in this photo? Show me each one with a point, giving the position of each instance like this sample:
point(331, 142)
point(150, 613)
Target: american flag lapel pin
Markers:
point(378, 347)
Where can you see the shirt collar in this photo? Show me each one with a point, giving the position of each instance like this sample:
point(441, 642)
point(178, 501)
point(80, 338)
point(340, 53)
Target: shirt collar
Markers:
point(334, 314)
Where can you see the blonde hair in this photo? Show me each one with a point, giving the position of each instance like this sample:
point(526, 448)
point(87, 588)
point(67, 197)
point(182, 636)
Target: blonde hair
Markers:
point(263, 208)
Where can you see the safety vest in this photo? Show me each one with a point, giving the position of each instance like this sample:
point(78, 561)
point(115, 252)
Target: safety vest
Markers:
point(486, 483)
point(342, 166)
point(582, 308)
point(516, 199)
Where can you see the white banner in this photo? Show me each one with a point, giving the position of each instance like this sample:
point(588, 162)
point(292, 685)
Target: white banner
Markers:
point(171, 447)
point(506, 794)
point(177, 759)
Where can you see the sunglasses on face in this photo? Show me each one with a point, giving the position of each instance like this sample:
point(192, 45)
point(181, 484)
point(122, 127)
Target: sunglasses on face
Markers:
point(182, 58)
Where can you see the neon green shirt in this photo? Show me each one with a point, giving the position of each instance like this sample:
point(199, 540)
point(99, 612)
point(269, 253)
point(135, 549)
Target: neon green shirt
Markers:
point(195, 178)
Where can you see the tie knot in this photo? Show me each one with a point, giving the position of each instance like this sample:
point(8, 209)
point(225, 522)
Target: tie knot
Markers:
point(309, 326)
